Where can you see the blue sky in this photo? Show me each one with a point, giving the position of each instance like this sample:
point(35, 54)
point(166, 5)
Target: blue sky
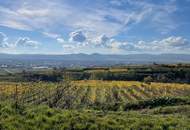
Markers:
point(94, 26)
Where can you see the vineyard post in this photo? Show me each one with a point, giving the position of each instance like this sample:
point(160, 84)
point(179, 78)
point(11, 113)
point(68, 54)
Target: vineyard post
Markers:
point(48, 98)
point(1, 90)
point(40, 99)
point(16, 97)
point(24, 94)
point(1, 94)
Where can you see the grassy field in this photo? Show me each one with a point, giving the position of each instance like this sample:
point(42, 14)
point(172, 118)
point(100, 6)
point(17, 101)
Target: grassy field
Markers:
point(44, 118)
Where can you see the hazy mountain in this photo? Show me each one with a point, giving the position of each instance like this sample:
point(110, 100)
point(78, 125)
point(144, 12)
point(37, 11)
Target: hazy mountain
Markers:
point(92, 59)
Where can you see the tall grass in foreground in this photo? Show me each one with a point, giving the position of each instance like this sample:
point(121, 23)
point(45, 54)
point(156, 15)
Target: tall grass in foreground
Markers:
point(44, 118)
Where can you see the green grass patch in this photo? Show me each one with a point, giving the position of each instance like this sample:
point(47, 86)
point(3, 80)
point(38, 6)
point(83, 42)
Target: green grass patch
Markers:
point(45, 118)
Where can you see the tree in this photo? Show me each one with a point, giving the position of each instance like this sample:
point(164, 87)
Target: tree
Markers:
point(148, 79)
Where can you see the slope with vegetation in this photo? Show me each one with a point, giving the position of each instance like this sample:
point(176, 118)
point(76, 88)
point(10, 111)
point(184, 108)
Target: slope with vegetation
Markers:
point(90, 93)
point(45, 118)
point(97, 98)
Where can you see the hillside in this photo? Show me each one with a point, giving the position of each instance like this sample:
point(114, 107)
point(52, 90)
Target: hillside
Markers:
point(147, 97)
point(93, 94)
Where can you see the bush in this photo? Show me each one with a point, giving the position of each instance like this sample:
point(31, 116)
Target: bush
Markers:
point(148, 79)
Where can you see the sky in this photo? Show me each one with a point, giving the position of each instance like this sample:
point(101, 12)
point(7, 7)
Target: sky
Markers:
point(94, 26)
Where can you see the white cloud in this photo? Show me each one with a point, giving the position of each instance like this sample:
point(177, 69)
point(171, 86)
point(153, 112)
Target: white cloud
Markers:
point(170, 44)
point(3, 40)
point(77, 36)
point(166, 45)
point(51, 35)
point(26, 42)
point(10, 18)
point(27, 12)
point(15, 24)
point(54, 17)
point(101, 40)
point(176, 42)
point(160, 15)
point(21, 42)
point(60, 40)
point(50, 16)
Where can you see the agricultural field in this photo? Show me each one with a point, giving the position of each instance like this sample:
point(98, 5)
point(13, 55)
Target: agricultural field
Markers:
point(90, 93)
point(59, 99)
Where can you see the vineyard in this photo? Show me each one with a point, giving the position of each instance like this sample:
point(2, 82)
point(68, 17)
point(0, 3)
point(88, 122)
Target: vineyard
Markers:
point(89, 93)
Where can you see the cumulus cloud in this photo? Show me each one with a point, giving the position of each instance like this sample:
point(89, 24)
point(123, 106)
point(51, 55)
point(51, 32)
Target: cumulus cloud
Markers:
point(176, 42)
point(127, 46)
point(77, 36)
point(169, 44)
point(102, 40)
point(21, 42)
point(27, 42)
point(3, 40)
point(164, 45)
point(60, 40)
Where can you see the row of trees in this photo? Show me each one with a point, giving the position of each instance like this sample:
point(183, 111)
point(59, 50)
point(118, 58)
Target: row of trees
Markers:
point(146, 74)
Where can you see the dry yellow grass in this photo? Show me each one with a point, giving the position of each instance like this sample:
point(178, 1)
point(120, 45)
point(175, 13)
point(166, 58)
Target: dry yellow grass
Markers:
point(9, 88)
point(101, 83)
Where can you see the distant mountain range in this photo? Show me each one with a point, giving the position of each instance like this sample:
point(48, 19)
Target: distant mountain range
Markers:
point(91, 59)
